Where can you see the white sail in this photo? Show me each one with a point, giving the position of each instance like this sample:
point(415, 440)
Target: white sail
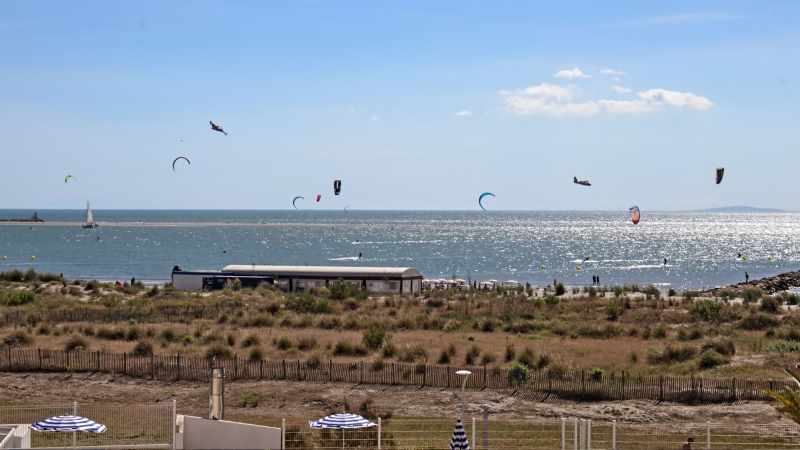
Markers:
point(89, 217)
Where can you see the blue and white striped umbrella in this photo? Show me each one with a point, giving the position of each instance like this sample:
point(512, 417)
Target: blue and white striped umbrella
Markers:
point(342, 422)
point(69, 424)
point(459, 440)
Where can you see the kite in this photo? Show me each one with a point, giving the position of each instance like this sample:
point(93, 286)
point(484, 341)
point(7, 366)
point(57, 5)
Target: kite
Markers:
point(720, 174)
point(178, 158)
point(635, 214)
point(482, 196)
point(581, 182)
point(319, 197)
point(299, 197)
point(68, 178)
point(217, 128)
point(337, 187)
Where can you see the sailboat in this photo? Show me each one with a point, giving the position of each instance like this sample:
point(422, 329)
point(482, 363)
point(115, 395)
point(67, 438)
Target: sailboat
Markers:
point(89, 222)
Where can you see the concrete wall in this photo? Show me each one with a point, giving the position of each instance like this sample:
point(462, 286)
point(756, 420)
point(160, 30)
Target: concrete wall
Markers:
point(187, 282)
point(16, 436)
point(199, 433)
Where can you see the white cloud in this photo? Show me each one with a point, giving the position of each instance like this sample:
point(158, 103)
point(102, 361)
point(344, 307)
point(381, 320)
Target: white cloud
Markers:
point(374, 118)
point(612, 72)
point(621, 89)
point(558, 101)
point(464, 113)
point(571, 74)
point(677, 99)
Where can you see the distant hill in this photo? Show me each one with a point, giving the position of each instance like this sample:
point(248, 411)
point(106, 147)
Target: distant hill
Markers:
point(741, 209)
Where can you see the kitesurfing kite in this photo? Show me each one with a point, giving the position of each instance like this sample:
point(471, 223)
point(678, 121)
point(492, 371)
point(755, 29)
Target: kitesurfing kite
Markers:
point(179, 158)
point(636, 215)
point(319, 197)
point(720, 174)
point(581, 182)
point(482, 196)
point(217, 128)
point(299, 197)
point(337, 187)
point(68, 178)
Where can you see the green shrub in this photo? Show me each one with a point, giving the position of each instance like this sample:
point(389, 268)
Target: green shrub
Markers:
point(413, 353)
point(560, 289)
point(596, 375)
point(231, 340)
point(389, 350)
point(487, 359)
point(75, 343)
point(255, 355)
point(770, 305)
point(660, 332)
point(444, 358)
point(341, 290)
point(168, 335)
point(542, 361)
point(307, 343)
point(710, 359)
point(614, 310)
point(527, 358)
point(373, 336)
point(706, 311)
point(250, 341)
point(511, 353)
point(752, 294)
point(17, 339)
point(218, 351)
point(671, 355)
point(722, 346)
point(142, 348)
point(308, 304)
point(517, 374)
point(14, 276)
point(233, 284)
point(248, 399)
point(283, 343)
point(16, 298)
point(345, 348)
point(758, 321)
point(133, 334)
point(111, 334)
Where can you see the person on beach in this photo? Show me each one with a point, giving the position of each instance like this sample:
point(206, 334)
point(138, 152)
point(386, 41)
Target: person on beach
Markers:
point(688, 444)
point(746, 277)
point(665, 261)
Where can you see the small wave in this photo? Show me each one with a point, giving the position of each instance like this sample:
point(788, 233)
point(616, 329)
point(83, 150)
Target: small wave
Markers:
point(345, 258)
point(644, 266)
point(395, 242)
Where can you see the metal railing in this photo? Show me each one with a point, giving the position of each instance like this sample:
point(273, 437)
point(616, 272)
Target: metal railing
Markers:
point(132, 425)
point(563, 433)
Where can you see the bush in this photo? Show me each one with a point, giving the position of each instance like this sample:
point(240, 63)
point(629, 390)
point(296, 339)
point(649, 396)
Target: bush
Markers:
point(527, 358)
point(722, 346)
point(250, 341)
point(255, 355)
point(231, 340)
point(111, 334)
point(389, 350)
point(517, 374)
point(133, 334)
point(283, 343)
point(758, 321)
point(414, 353)
point(671, 355)
point(14, 276)
point(706, 311)
point(596, 375)
point(341, 290)
point(487, 326)
point(691, 335)
point(219, 352)
point(307, 343)
point(543, 361)
point(142, 348)
point(168, 335)
point(308, 304)
point(75, 343)
point(752, 294)
point(487, 359)
point(16, 339)
point(248, 399)
point(660, 332)
point(16, 298)
point(710, 359)
point(770, 305)
point(614, 310)
point(373, 336)
point(560, 290)
point(345, 348)
point(444, 358)
point(511, 353)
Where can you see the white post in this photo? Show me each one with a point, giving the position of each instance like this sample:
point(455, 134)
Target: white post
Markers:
point(474, 442)
point(74, 434)
point(589, 434)
point(708, 435)
point(576, 434)
point(613, 435)
point(380, 426)
point(174, 421)
point(283, 434)
point(563, 433)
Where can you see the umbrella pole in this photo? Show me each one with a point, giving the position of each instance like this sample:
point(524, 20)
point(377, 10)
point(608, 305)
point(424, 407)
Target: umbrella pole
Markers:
point(74, 413)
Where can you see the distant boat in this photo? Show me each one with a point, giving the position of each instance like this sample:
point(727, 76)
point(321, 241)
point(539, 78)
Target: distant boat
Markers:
point(89, 222)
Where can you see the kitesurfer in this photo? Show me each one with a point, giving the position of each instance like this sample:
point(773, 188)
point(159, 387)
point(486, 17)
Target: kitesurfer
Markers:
point(217, 128)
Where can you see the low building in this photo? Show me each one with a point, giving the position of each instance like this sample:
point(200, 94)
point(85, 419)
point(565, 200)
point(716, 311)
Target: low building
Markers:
point(378, 280)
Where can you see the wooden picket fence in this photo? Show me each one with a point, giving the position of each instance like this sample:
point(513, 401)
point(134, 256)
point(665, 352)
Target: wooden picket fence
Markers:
point(572, 384)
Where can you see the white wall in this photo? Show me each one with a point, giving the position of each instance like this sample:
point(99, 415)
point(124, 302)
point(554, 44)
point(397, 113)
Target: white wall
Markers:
point(199, 433)
point(187, 282)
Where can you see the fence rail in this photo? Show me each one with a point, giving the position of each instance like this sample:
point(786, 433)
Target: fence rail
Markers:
point(573, 384)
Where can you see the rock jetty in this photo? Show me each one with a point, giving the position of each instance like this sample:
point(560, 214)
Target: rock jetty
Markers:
point(770, 285)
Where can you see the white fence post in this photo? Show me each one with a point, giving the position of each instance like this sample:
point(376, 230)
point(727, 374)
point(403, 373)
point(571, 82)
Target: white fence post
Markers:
point(576, 435)
point(380, 428)
point(589, 434)
point(708, 435)
point(563, 433)
point(174, 421)
point(74, 434)
point(613, 435)
point(283, 434)
point(474, 442)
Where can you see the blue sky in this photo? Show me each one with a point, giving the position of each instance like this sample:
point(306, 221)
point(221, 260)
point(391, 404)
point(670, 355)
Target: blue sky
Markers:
point(414, 105)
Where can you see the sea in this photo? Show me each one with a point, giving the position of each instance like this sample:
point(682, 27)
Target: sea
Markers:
point(681, 250)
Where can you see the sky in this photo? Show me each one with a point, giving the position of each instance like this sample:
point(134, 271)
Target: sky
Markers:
point(413, 104)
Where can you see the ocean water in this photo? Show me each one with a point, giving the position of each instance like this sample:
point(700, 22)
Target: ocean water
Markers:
point(537, 247)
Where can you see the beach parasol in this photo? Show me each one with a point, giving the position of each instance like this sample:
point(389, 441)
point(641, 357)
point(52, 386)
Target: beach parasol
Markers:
point(342, 421)
point(459, 440)
point(69, 424)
